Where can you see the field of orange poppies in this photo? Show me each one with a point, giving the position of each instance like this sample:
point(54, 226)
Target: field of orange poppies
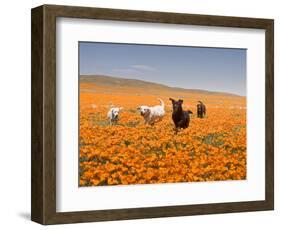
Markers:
point(210, 149)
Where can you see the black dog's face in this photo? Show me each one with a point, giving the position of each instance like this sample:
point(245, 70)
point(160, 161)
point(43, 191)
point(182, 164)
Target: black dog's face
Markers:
point(177, 105)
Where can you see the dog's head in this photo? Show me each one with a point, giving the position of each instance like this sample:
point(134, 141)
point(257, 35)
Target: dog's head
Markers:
point(177, 105)
point(144, 110)
point(115, 112)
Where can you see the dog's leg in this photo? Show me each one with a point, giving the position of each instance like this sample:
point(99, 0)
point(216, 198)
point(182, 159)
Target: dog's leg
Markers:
point(176, 130)
point(147, 121)
point(152, 121)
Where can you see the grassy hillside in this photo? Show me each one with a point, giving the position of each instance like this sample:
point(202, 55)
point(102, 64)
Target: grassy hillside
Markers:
point(108, 81)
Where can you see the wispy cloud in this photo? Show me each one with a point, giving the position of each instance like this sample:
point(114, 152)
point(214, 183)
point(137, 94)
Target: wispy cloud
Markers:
point(134, 69)
point(143, 67)
point(124, 70)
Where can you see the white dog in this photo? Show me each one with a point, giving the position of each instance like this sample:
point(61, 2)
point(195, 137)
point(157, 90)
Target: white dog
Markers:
point(113, 115)
point(152, 114)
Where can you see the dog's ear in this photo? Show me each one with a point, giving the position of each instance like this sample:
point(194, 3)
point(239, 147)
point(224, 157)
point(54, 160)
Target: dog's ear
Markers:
point(171, 99)
point(180, 101)
point(189, 111)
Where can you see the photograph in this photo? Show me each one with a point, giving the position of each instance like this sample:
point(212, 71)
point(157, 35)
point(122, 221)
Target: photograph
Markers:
point(151, 114)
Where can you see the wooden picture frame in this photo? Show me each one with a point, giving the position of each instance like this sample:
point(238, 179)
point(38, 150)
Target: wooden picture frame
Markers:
point(43, 189)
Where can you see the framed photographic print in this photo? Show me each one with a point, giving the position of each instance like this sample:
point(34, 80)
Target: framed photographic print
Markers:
point(141, 114)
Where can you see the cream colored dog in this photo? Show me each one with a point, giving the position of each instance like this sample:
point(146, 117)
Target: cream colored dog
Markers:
point(152, 114)
point(113, 115)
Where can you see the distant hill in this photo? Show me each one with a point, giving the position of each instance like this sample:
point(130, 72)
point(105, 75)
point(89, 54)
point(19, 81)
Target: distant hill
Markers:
point(134, 83)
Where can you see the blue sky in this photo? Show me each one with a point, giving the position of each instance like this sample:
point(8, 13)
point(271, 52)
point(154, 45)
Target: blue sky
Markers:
point(214, 69)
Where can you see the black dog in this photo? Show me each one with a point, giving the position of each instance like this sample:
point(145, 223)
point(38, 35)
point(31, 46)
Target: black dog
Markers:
point(201, 109)
point(181, 118)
